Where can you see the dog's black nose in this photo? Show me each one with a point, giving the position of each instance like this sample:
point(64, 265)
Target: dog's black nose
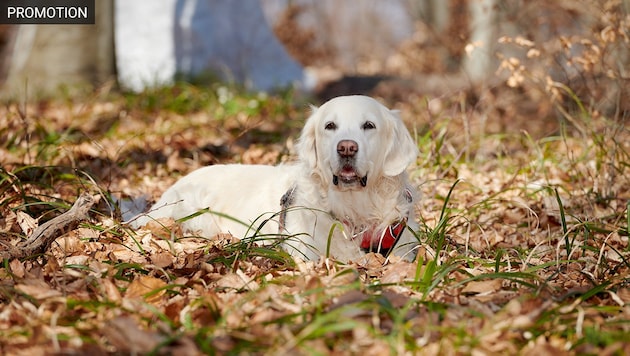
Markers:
point(347, 148)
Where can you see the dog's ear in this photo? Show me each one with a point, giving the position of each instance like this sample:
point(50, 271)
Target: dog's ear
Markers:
point(306, 148)
point(402, 149)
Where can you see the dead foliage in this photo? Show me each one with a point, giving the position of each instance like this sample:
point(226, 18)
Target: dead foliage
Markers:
point(524, 242)
point(524, 222)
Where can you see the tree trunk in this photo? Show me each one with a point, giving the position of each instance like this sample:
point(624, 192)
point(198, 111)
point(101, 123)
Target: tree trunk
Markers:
point(478, 64)
point(40, 59)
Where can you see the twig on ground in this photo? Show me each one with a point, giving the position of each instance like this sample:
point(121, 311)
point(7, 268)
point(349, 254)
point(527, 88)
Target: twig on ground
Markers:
point(43, 236)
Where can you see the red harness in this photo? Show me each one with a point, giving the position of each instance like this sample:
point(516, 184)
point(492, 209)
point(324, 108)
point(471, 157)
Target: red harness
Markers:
point(370, 241)
point(387, 240)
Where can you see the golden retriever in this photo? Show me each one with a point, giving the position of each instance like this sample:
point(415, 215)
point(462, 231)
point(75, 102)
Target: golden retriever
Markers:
point(346, 195)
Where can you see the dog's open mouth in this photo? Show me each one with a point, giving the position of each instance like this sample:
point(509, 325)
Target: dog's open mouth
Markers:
point(347, 175)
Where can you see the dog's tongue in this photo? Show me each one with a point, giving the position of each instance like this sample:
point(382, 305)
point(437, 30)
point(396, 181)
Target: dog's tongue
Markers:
point(349, 174)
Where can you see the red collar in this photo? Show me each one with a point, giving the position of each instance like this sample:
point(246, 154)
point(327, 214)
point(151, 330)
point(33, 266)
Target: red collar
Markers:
point(372, 242)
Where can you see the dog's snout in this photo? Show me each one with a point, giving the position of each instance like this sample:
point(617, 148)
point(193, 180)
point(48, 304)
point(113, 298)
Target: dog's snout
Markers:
point(347, 148)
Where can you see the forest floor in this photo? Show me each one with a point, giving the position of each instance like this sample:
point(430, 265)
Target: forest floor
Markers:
point(524, 231)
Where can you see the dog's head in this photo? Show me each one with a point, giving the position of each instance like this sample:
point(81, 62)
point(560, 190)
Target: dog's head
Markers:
point(351, 140)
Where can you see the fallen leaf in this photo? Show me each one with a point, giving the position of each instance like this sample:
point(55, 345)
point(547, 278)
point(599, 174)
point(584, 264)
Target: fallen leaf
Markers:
point(127, 336)
point(162, 259)
point(164, 228)
point(110, 290)
point(482, 287)
point(350, 297)
point(26, 222)
point(146, 287)
point(37, 289)
point(398, 272)
point(17, 268)
point(237, 281)
point(624, 295)
point(7, 222)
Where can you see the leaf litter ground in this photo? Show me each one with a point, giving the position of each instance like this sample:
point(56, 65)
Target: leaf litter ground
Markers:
point(524, 239)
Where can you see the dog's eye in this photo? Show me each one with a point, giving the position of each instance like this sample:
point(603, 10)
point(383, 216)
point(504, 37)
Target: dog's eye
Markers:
point(369, 125)
point(330, 126)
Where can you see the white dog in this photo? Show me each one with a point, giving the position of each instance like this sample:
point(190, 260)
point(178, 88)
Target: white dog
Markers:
point(347, 194)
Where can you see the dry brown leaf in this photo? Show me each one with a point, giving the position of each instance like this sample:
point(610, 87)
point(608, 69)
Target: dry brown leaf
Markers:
point(37, 289)
point(71, 243)
point(88, 149)
point(264, 315)
point(7, 221)
point(237, 281)
point(162, 259)
point(146, 287)
point(121, 253)
point(543, 347)
point(350, 297)
point(26, 222)
point(397, 300)
point(17, 268)
point(110, 290)
point(128, 337)
point(36, 350)
point(164, 228)
point(624, 295)
point(371, 261)
point(482, 287)
point(514, 216)
point(52, 266)
point(175, 163)
point(259, 155)
point(398, 272)
point(77, 260)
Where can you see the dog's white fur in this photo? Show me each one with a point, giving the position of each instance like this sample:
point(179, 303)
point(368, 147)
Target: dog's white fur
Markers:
point(252, 193)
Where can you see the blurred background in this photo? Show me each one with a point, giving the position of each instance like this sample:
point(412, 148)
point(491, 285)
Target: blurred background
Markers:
point(523, 57)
